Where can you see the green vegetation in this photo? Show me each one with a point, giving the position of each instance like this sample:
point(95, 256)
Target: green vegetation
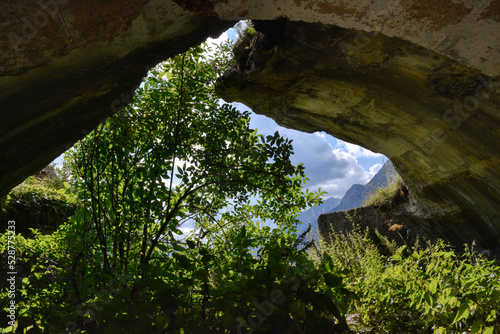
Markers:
point(185, 222)
point(178, 157)
point(420, 290)
point(385, 196)
point(41, 201)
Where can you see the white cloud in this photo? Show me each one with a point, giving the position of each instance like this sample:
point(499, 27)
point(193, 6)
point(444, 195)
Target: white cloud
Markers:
point(223, 37)
point(357, 151)
point(374, 169)
point(333, 169)
point(186, 231)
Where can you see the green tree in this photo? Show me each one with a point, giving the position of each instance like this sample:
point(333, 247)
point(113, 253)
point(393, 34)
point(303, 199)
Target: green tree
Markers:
point(178, 155)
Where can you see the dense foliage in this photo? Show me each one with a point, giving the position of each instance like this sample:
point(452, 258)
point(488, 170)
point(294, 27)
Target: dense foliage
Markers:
point(179, 160)
point(186, 223)
point(40, 201)
point(418, 290)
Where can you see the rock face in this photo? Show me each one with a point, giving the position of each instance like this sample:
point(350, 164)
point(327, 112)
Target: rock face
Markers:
point(437, 120)
point(358, 194)
point(416, 80)
point(399, 225)
point(353, 198)
point(462, 30)
point(65, 66)
point(398, 222)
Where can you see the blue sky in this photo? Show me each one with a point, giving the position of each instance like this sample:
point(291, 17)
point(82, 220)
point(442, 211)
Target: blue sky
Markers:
point(331, 164)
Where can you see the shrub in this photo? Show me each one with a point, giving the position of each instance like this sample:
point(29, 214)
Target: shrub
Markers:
point(424, 290)
point(36, 203)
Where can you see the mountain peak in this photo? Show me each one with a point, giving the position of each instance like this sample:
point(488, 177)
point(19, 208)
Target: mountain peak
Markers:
point(353, 198)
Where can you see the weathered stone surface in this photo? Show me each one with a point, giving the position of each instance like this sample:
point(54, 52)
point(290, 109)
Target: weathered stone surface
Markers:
point(65, 66)
point(463, 30)
point(437, 120)
point(398, 222)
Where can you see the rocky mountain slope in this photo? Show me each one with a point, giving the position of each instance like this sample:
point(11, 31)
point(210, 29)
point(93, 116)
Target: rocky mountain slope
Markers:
point(357, 194)
point(353, 198)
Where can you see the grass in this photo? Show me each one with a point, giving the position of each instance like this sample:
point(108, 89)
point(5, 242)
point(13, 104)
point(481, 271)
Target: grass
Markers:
point(385, 196)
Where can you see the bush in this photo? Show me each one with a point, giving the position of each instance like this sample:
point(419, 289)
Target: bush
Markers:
point(431, 290)
point(43, 290)
point(36, 203)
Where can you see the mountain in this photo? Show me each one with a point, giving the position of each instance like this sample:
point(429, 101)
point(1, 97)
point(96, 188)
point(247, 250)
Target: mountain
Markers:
point(311, 215)
point(383, 178)
point(357, 194)
point(353, 198)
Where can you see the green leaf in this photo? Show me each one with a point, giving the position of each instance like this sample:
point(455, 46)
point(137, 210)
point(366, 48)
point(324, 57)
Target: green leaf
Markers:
point(328, 261)
point(243, 233)
point(489, 330)
point(433, 286)
point(492, 316)
point(162, 247)
point(332, 280)
point(476, 327)
point(183, 261)
point(428, 299)
point(178, 248)
point(462, 313)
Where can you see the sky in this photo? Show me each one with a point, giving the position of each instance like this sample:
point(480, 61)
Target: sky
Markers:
point(330, 164)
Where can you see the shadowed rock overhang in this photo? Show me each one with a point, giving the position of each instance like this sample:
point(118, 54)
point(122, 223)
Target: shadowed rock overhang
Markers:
point(66, 66)
point(437, 120)
point(416, 80)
